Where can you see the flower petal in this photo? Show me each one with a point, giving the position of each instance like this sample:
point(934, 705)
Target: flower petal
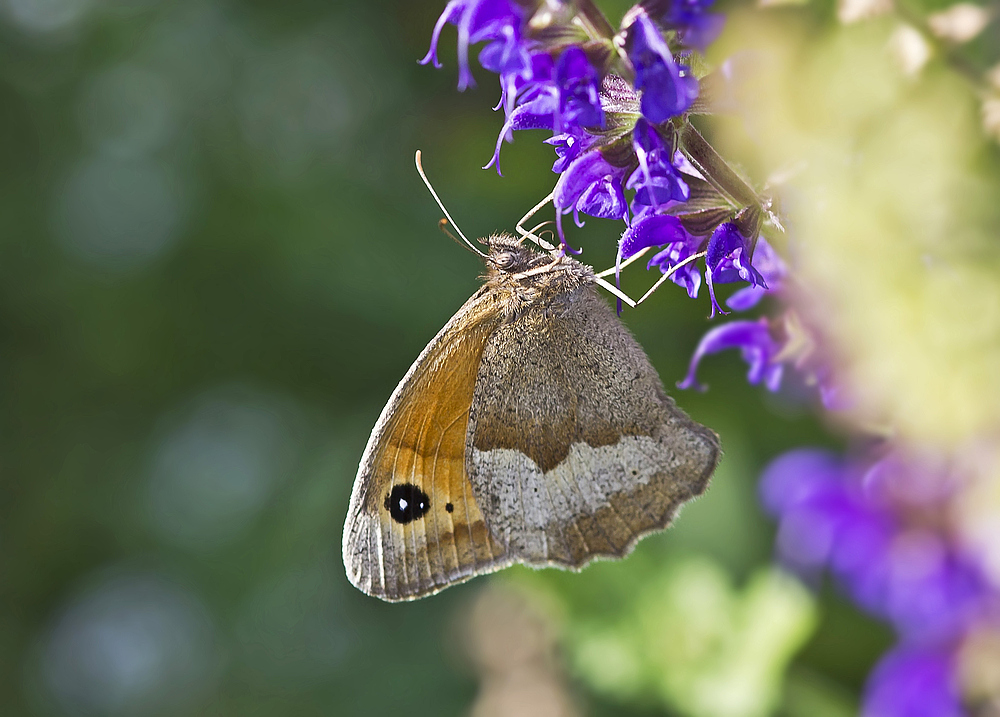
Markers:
point(652, 230)
point(668, 89)
point(752, 338)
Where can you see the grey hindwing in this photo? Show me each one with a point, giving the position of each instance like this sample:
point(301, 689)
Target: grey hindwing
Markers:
point(574, 449)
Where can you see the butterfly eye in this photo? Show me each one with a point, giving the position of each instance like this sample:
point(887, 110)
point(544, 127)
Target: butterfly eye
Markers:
point(504, 259)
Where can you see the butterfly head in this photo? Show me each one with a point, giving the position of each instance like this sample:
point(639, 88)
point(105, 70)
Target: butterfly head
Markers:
point(512, 257)
point(522, 277)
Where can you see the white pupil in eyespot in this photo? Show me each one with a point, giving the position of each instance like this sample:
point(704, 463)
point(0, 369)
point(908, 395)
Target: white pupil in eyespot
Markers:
point(403, 504)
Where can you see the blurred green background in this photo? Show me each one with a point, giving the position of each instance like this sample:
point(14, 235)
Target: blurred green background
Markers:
point(216, 261)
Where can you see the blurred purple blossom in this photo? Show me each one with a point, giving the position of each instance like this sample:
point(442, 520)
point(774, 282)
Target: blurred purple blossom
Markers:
point(913, 682)
point(695, 26)
point(837, 514)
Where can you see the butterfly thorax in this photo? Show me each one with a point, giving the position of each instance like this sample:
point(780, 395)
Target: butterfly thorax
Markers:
point(521, 278)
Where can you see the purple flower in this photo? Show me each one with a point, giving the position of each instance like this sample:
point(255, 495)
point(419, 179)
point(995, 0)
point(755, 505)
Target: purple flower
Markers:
point(563, 97)
point(604, 198)
point(664, 231)
point(651, 230)
point(655, 180)
point(591, 185)
point(579, 95)
point(496, 21)
point(694, 25)
point(668, 89)
point(687, 276)
point(568, 146)
point(535, 113)
point(753, 339)
point(727, 260)
point(913, 681)
point(522, 87)
point(772, 270)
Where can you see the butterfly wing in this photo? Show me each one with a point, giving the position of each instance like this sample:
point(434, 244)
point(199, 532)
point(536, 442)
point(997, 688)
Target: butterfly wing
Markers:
point(574, 440)
point(414, 525)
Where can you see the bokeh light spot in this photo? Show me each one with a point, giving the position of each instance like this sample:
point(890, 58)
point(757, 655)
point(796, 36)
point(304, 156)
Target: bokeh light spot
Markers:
point(214, 472)
point(45, 16)
point(136, 644)
point(118, 215)
point(128, 111)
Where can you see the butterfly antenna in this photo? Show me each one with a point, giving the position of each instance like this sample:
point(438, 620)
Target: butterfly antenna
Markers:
point(443, 226)
point(437, 199)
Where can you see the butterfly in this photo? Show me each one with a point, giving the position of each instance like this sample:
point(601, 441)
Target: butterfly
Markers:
point(532, 429)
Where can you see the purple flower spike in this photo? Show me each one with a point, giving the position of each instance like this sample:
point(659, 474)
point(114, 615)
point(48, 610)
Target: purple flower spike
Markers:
point(655, 180)
point(496, 21)
point(913, 682)
point(726, 261)
point(579, 96)
point(667, 88)
point(754, 341)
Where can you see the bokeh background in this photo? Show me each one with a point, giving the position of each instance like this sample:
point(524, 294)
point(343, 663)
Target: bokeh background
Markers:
point(216, 261)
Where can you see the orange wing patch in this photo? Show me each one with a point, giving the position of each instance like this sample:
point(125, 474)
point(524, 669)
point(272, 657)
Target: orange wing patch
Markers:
point(414, 526)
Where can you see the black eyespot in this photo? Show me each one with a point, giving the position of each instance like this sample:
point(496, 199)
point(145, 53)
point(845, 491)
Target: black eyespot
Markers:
point(449, 507)
point(406, 503)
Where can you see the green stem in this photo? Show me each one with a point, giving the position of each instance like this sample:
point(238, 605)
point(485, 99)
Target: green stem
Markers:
point(713, 167)
point(594, 22)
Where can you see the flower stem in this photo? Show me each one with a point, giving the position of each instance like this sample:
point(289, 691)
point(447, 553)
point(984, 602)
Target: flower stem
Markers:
point(593, 19)
point(713, 167)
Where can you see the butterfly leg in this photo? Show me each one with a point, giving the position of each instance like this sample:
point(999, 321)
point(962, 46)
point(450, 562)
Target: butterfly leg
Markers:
point(668, 274)
point(530, 234)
